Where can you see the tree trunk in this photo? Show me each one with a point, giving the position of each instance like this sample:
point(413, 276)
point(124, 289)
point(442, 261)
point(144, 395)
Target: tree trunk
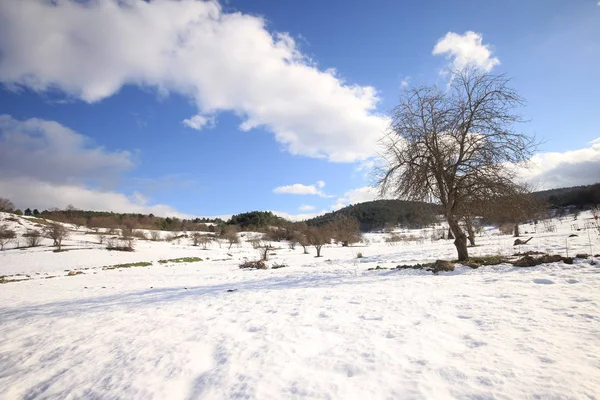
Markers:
point(516, 234)
point(471, 233)
point(318, 251)
point(450, 235)
point(460, 240)
point(305, 251)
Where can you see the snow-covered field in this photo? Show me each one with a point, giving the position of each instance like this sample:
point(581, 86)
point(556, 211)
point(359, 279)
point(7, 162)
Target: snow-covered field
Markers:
point(320, 328)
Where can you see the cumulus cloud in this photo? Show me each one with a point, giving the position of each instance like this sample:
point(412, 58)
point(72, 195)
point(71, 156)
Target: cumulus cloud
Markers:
point(34, 193)
point(222, 61)
point(199, 121)
point(354, 196)
point(562, 169)
point(54, 153)
point(44, 164)
point(306, 207)
point(466, 50)
point(300, 189)
point(298, 217)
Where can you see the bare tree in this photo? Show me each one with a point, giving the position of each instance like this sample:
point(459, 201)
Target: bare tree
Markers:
point(6, 205)
point(345, 230)
point(455, 146)
point(6, 236)
point(200, 239)
point(318, 236)
point(263, 250)
point(512, 207)
point(33, 237)
point(230, 233)
point(57, 232)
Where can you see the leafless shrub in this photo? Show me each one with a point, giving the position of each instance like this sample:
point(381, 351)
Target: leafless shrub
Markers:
point(263, 250)
point(506, 228)
point(155, 236)
point(260, 264)
point(255, 243)
point(393, 239)
point(100, 238)
point(120, 244)
point(139, 235)
point(33, 238)
point(548, 226)
point(6, 236)
point(199, 239)
point(231, 235)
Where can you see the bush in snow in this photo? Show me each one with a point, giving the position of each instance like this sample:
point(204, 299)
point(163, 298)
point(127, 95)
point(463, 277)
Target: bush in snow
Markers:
point(120, 244)
point(6, 236)
point(155, 236)
point(33, 238)
point(139, 234)
point(260, 264)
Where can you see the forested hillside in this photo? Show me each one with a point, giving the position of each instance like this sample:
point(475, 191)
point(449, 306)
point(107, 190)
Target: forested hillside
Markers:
point(375, 215)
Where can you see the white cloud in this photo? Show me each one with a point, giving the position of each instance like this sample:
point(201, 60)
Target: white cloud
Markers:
point(300, 189)
point(44, 164)
point(306, 207)
point(223, 61)
point(34, 193)
point(466, 50)
point(405, 82)
point(355, 196)
point(562, 169)
point(52, 152)
point(298, 217)
point(199, 121)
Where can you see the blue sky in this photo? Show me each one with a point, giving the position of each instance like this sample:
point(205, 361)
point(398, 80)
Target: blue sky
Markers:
point(199, 108)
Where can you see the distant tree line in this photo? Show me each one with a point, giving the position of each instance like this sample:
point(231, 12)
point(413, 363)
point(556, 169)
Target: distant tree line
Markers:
point(581, 197)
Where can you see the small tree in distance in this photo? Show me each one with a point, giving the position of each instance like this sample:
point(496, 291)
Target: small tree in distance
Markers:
point(6, 205)
point(318, 236)
point(6, 236)
point(230, 233)
point(455, 145)
point(345, 230)
point(57, 232)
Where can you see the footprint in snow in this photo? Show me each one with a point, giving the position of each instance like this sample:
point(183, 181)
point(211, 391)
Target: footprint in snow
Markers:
point(543, 281)
point(572, 281)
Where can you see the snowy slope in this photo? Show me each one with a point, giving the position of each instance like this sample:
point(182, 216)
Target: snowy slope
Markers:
point(320, 329)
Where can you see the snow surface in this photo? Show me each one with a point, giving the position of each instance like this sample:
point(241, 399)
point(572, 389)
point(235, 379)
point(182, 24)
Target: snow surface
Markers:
point(322, 328)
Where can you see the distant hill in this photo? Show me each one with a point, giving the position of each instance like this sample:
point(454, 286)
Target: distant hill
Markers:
point(582, 197)
point(375, 215)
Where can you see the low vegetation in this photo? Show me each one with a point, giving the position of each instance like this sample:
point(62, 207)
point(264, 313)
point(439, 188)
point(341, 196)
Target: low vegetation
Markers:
point(181, 260)
point(260, 264)
point(128, 265)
